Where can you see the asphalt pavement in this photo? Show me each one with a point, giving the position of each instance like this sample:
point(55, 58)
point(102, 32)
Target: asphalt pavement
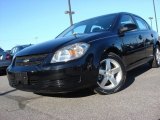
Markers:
point(139, 100)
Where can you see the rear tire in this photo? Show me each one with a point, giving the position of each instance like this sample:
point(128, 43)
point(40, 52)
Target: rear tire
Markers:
point(112, 75)
point(156, 61)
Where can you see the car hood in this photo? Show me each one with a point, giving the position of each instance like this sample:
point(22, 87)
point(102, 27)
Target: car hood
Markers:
point(53, 45)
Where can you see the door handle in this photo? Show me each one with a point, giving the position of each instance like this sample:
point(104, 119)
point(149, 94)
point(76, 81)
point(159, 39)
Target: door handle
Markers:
point(140, 37)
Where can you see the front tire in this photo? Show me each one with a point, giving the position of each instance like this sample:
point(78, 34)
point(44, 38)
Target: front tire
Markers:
point(112, 75)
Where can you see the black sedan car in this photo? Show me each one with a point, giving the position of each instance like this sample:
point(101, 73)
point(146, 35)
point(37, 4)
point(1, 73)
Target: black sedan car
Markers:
point(96, 52)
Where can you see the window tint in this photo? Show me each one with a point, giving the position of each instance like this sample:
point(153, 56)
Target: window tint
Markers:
point(126, 19)
point(141, 23)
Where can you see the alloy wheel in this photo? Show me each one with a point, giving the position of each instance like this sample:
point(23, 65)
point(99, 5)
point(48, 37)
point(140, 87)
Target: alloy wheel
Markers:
point(110, 74)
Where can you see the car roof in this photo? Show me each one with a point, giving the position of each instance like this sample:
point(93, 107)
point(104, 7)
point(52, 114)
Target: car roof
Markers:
point(118, 13)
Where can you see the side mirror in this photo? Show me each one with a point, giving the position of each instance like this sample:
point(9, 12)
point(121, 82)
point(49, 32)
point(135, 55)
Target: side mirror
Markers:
point(127, 27)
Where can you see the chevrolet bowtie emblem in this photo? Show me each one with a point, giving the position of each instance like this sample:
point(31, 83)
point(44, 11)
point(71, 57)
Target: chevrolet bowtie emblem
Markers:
point(26, 60)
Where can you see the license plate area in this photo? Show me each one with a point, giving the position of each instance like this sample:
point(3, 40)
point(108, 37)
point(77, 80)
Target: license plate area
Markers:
point(21, 78)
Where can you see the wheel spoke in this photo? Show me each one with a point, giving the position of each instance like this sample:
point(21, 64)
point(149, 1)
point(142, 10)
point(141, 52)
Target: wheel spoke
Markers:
point(108, 64)
point(111, 75)
point(116, 70)
point(104, 81)
point(113, 80)
point(102, 72)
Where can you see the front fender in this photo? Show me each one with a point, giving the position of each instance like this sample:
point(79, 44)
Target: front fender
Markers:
point(101, 47)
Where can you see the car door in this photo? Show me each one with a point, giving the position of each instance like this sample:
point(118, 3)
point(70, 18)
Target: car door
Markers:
point(147, 36)
point(133, 44)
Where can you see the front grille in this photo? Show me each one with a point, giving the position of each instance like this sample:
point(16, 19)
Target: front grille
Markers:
point(32, 60)
point(61, 83)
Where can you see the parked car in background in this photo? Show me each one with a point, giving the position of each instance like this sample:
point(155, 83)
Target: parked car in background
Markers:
point(95, 52)
point(1, 50)
point(16, 49)
point(5, 60)
point(6, 56)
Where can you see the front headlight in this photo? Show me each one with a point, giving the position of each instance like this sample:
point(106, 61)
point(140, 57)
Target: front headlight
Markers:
point(70, 52)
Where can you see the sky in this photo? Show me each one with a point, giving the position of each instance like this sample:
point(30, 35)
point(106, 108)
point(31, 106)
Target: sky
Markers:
point(36, 21)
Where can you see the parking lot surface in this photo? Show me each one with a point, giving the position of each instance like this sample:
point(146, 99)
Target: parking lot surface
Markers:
point(139, 100)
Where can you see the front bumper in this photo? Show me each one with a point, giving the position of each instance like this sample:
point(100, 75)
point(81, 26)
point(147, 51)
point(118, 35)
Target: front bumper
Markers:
point(52, 78)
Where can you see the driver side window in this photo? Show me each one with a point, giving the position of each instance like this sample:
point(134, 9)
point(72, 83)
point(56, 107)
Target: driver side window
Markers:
point(126, 19)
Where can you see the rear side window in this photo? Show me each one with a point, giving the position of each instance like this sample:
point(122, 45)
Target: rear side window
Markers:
point(141, 24)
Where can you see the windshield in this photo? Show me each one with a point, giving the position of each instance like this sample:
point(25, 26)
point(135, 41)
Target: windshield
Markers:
point(99, 24)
